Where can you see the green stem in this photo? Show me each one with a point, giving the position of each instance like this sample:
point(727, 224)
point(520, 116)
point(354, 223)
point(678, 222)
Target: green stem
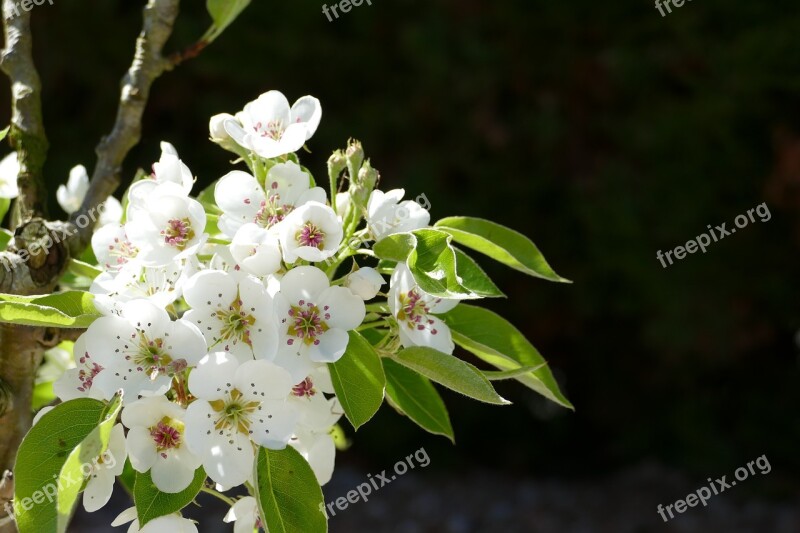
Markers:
point(218, 495)
point(372, 325)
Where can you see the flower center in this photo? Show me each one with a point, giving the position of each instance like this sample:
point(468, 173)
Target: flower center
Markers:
point(234, 412)
point(178, 233)
point(414, 311)
point(304, 389)
point(310, 235)
point(272, 211)
point(236, 323)
point(153, 360)
point(167, 434)
point(123, 250)
point(273, 129)
point(306, 322)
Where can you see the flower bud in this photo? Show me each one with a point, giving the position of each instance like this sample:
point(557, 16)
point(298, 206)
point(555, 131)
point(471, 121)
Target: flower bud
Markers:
point(216, 130)
point(355, 156)
point(365, 283)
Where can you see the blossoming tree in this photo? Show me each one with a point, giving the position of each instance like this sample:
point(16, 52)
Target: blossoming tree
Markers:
point(213, 340)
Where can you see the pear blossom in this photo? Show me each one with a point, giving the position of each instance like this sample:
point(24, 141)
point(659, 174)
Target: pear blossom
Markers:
point(78, 381)
point(112, 247)
point(387, 214)
point(365, 283)
point(238, 405)
point(268, 127)
point(157, 442)
point(161, 285)
point(318, 415)
point(312, 232)
point(9, 171)
point(168, 227)
point(70, 197)
point(257, 250)
point(415, 312)
point(168, 169)
point(235, 314)
point(245, 513)
point(243, 200)
point(313, 320)
point(141, 349)
point(173, 523)
point(103, 471)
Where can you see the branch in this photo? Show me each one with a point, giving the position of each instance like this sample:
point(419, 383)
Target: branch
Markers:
point(27, 135)
point(148, 64)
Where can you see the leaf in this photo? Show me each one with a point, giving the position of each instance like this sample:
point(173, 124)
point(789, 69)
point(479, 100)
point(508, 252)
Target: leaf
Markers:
point(395, 247)
point(416, 397)
point(289, 496)
point(496, 341)
point(500, 375)
point(358, 380)
point(451, 372)
point(501, 244)
point(5, 235)
point(474, 278)
point(5, 204)
point(47, 473)
point(71, 309)
point(79, 268)
point(151, 503)
point(223, 13)
point(4, 132)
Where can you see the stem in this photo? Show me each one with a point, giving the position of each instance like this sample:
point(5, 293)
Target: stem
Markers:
point(372, 325)
point(219, 495)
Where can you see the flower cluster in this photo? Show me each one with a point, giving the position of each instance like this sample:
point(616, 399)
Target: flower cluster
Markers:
point(222, 312)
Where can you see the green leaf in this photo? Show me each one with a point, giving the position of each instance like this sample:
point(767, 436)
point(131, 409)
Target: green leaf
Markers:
point(128, 477)
point(5, 235)
point(451, 372)
point(212, 226)
point(501, 244)
point(79, 268)
point(5, 204)
point(208, 200)
point(358, 380)
point(474, 278)
point(500, 375)
point(496, 341)
point(4, 132)
point(223, 13)
point(395, 247)
point(47, 472)
point(416, 397)
point(152, 503)
point(289, 496)
point(71, 309)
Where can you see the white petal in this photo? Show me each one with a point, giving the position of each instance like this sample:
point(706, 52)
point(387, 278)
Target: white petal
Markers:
point(213, 286)
point(303, 283)
point(260, 380)
point(141, 449)
point(98, 490)
point(307, 110)
point(346, 309)
point(124, 517)
point(331, 347)
point(273, 424)
point(174, 473)
point(214, 376)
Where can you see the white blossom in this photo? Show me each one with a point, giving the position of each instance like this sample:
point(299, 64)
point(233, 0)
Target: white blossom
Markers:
point(365, 283)
point(9, 171)
point(312, 232)
point(245, 513)
point(387, 214)
point(172, 523)
point(103, 471)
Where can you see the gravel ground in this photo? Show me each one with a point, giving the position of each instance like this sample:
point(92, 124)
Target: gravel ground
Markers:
point(482, 501)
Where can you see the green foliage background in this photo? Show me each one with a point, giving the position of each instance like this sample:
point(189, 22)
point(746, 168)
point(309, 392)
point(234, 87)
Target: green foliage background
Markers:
point(600, 129)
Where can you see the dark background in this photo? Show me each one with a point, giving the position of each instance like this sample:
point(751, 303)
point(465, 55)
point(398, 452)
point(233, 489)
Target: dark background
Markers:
point(602, 130)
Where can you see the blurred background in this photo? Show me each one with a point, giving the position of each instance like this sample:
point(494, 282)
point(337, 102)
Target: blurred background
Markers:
point(603, 131)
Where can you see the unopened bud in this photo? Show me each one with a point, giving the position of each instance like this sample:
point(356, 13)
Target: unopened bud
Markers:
point(365, 283)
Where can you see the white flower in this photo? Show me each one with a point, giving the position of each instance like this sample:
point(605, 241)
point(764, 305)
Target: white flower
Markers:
point(172, 523)
point(233, 313)
point(168, 227)
point(70, 197)
point(141, 349)
point(103, 472)
point(168, 169)
point(365, 283)
point(245, 513)
point(256, 250)
point(243, 200)
point(387, 215)
point(157, 442)
point(318, 414)
point(414, 310)
point(343, 202)
point(77, 382)
point(268, 127)
point(112, 247)
point(312, 232)
point(57, 360)
point(237, 405)
point(314, 319)
point(162, 285)
point(9, 171)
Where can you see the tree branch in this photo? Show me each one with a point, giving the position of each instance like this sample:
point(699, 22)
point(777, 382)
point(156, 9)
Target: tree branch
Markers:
point(27, 134)
point(148, 64)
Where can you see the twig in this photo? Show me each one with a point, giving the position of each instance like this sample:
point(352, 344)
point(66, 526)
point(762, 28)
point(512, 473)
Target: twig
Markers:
point(148, 64)
point(27, 134)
